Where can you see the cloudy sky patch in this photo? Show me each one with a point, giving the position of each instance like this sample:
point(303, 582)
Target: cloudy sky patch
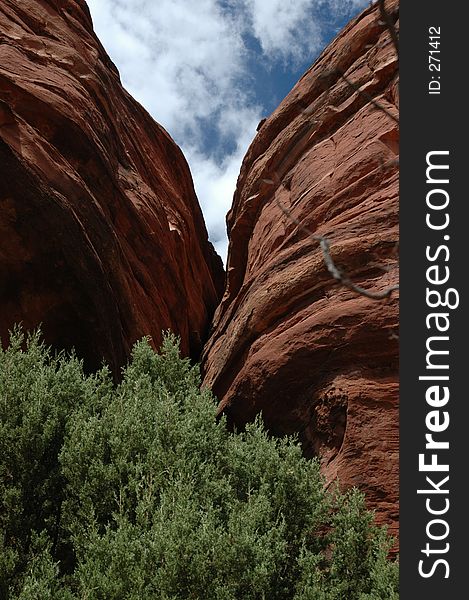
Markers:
point(209, 70)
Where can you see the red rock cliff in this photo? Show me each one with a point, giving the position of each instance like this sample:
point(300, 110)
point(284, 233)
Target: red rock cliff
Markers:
point(102, 237)
point(312, 355)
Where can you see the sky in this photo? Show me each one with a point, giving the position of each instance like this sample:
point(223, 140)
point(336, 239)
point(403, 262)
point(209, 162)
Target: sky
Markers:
point(210, 70)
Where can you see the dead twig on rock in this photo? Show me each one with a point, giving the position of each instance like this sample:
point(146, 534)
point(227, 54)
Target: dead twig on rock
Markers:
point(367, 96)
point(388, 21)
point(323, 242)
point(336, 273)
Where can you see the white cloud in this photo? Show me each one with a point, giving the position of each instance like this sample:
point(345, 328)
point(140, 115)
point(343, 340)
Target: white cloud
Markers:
point(285, 29)
point(178, 58)
point(215, 182)
point(186, 61)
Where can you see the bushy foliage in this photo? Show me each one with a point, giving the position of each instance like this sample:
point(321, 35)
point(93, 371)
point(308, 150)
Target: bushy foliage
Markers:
point(136, 491)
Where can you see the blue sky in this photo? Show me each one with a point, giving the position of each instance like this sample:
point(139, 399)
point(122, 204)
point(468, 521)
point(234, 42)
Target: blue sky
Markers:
point(209, 70)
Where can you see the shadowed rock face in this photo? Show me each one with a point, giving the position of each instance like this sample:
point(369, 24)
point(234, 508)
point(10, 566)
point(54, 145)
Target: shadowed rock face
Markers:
point(313, 356)
point(102, 237)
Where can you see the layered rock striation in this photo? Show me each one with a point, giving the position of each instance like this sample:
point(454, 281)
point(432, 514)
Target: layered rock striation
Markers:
point(313, 355)
point(102, 237)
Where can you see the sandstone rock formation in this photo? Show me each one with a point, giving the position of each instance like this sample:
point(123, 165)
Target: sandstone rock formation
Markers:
point(102, 237)
point(312, 355)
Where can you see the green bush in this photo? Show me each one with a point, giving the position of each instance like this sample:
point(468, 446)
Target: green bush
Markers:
point(136, 491)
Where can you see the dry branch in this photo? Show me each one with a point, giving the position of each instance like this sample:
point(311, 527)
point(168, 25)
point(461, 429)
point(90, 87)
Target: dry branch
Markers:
point(336, 273)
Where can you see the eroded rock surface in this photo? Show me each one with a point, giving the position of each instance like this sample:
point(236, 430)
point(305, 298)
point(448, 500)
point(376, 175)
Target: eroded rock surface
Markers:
point(314, 356)
point(102, 237)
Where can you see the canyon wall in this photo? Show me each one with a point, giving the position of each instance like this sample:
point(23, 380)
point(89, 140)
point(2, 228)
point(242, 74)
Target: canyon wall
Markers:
point(102, 237)
point(103, 240)
point(313, 355)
